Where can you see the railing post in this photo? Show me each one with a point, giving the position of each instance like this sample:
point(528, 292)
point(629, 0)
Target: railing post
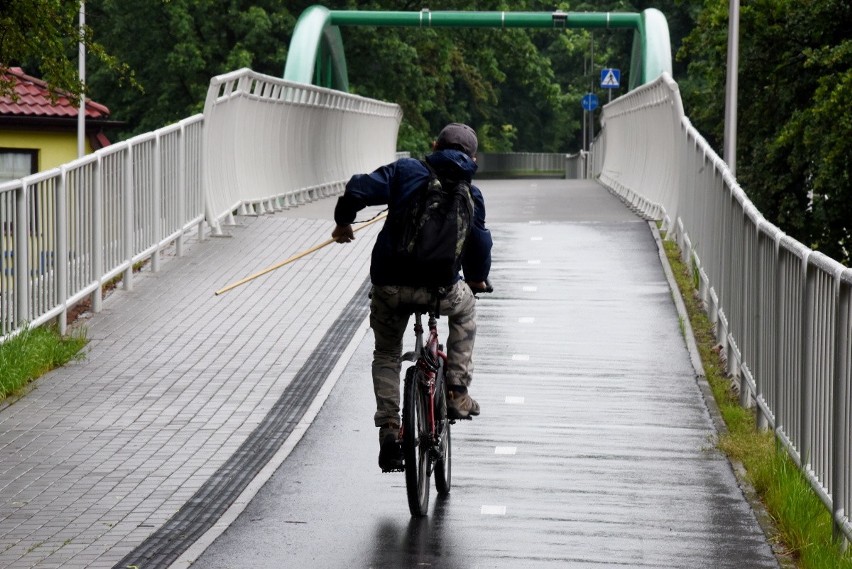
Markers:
point(60, 260)
point(181, 188)
point(128, 220)
point(97, 252)
point(840, 440)
point(807, 364)
point(780, 347)
point(766, 328)
point(157, 206)
point(21, 254)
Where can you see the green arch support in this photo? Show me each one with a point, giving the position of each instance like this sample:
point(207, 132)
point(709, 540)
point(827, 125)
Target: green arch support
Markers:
point(316, 51)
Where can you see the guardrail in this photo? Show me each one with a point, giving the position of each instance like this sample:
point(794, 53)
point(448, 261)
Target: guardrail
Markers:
point(67, 231)
point(508, 164)
point(783, 312)
point(262, 144)
point(576, 166)
point(271, 144)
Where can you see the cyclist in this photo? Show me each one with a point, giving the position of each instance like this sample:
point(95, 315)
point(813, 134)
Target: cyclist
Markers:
point(396, 288)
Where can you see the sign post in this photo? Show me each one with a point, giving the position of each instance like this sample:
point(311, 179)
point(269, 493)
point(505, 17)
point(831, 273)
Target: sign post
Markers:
point(590, 103)
point(610, 79)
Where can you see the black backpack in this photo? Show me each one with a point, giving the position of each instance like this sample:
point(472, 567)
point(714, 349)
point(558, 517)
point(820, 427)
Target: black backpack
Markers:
point(435, 229)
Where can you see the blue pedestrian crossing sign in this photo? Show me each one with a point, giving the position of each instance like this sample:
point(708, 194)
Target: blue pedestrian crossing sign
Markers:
point(610, 78)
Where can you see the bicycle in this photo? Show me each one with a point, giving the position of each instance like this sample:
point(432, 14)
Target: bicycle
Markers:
point(425, 430)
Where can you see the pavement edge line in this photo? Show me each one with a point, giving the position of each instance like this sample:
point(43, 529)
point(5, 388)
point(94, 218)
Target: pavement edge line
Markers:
point(215, 496)
point(244, 499)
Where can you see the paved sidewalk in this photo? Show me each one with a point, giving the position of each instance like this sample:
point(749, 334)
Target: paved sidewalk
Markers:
point(101, 453)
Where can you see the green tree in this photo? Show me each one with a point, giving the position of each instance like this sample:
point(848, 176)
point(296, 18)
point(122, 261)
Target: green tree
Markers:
point(520, 88)
point(504, 82)
point(43, 37)
point(795, 121)
point(176, 46)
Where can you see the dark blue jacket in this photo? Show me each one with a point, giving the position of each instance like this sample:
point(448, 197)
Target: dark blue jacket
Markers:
point(396, 185)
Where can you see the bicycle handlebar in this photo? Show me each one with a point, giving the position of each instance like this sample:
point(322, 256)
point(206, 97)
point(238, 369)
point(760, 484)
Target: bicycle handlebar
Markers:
point(488, 288)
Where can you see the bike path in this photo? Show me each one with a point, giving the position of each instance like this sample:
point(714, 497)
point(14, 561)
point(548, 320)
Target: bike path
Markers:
point(594, 447)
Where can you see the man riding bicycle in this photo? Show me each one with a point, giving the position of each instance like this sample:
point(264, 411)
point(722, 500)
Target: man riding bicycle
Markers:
point(396, 289)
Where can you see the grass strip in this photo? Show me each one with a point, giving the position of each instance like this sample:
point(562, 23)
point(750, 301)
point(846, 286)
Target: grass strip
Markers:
point(802, 522)
point(34, 352)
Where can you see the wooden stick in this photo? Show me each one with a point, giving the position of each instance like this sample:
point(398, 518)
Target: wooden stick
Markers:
point(294, 258)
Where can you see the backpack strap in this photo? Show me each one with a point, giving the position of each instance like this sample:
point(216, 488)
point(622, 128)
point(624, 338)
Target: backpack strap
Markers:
point(432, 173)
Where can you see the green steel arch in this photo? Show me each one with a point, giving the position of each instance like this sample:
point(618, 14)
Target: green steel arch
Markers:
point(316, 51)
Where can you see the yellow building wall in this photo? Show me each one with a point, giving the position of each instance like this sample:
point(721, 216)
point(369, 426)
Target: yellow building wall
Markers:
point(55, 148)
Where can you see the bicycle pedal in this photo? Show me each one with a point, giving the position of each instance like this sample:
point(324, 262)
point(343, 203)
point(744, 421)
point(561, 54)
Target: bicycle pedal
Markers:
point(453, 418)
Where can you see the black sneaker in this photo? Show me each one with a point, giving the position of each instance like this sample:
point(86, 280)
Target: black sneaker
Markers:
point(390, 453)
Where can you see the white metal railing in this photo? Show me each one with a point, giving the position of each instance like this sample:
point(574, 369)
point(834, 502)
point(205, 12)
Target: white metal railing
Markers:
point(69, 230)
point(272, 143)
point(783, 312)
point(502, 163)
point(262, 144)
point(576, 165)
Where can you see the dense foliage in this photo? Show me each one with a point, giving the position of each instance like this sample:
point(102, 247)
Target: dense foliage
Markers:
point(795, 119)
point(521, 89)
point(43, 36)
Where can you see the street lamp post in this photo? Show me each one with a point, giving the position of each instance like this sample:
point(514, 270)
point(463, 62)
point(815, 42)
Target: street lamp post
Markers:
point(730, 150)
point(81, 113)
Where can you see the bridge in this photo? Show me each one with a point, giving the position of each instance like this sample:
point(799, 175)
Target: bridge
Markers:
point(237, 430)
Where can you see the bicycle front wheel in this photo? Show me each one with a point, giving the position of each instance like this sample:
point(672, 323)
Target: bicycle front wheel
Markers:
point(415, 445)
point(443, 466)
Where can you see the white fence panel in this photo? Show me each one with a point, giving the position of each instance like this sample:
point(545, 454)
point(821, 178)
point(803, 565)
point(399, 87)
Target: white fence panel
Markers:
point(67, 231)
point(271, 143)
point(264, 144)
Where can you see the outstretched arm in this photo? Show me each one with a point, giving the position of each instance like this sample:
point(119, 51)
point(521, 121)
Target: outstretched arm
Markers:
point(361, 190)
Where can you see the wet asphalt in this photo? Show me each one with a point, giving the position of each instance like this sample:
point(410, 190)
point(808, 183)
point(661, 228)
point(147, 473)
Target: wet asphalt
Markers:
point(594, 447)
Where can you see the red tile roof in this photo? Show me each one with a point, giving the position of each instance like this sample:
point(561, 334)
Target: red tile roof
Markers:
point(34, 100)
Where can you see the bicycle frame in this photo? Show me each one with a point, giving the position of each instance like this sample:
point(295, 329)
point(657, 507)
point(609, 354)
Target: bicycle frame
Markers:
point(426, 358)
point(425, 433)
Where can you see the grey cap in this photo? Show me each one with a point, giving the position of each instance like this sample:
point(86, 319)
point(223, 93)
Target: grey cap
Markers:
point(459, 135)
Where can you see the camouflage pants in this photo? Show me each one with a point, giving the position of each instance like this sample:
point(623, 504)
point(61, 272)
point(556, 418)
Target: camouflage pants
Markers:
point(390, 309)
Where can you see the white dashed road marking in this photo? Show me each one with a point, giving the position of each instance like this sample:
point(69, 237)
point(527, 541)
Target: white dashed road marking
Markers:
point(493, 510)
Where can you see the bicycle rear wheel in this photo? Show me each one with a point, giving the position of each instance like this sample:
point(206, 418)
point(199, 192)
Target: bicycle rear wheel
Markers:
point(443, 466)
point(415, 445)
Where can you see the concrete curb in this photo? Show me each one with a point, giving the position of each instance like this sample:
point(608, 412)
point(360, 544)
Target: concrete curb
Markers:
point(197, 549)
point(750, 494)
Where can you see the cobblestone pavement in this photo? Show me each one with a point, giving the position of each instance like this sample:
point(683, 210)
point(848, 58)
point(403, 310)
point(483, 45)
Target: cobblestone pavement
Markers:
point(100, 453)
